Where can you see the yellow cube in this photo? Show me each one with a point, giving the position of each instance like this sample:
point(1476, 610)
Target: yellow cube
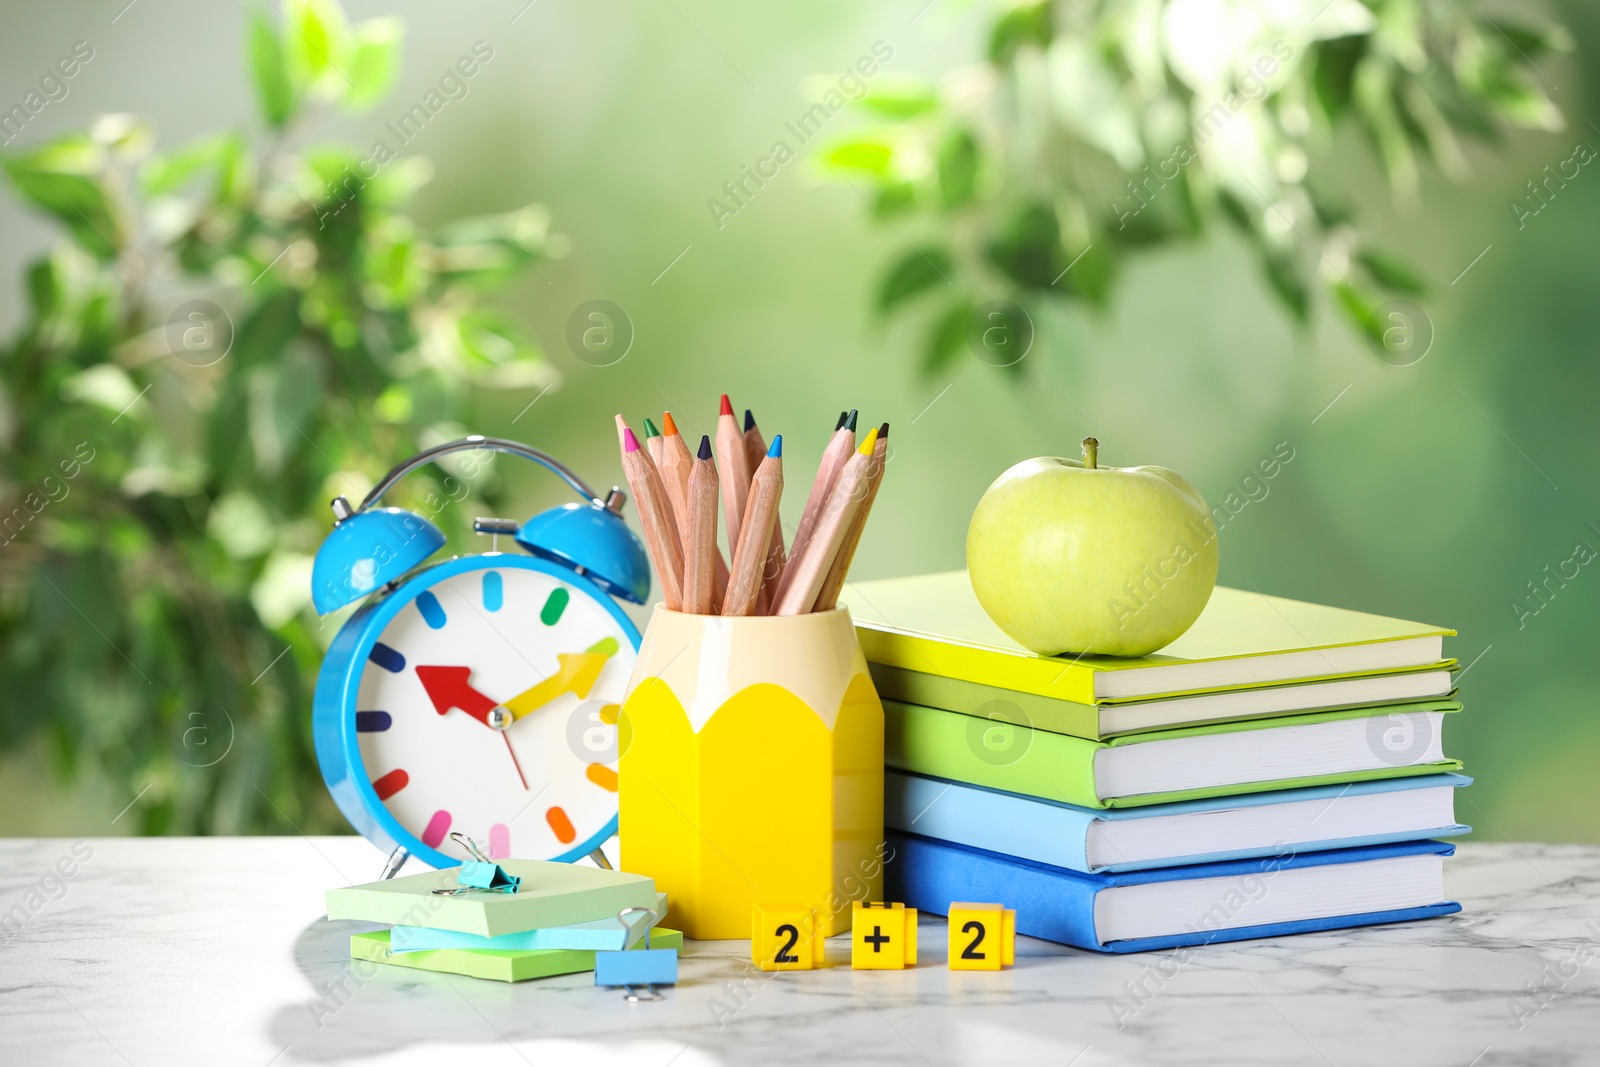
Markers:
point(983, 937)
point(786, 937)
point(883, 937)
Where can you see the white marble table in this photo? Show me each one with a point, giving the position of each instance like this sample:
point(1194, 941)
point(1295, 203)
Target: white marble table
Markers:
point(214, 951)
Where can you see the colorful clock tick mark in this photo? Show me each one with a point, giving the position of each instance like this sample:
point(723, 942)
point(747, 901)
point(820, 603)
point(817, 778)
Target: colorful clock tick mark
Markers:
point(602, 776)
point(437, 827)
point(432, 611)
point(387, 658)
point(560, 825)
point(494, 595)
point(391, 783)
point(499, 841)
point(554, 605)
point(373, 722)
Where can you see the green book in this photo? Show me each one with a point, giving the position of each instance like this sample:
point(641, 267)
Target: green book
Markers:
point(501, 965)
point(1193, 763)
point(933, 624)
point(552, 894)
point(1111, 718)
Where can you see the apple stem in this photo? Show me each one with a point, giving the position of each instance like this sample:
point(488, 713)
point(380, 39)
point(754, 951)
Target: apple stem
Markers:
point(1091, 450)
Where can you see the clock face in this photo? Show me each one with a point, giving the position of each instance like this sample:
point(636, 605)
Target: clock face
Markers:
point(488, 706)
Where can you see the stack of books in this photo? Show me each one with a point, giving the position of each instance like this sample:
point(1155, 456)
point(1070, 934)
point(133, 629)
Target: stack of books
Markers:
point(1279, 768)
point(559, 917)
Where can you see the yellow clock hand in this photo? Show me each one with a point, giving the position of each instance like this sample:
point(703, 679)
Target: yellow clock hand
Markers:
point(576, 674)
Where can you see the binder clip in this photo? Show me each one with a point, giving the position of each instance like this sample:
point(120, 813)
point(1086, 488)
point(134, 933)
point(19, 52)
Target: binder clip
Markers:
point(631, 967)
point(480, 873)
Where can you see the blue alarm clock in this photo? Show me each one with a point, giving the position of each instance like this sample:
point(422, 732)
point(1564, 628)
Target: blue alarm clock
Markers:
point(477, 695)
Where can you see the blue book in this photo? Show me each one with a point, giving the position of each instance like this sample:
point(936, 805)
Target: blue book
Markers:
point(1203, 904)
point(1168, 835)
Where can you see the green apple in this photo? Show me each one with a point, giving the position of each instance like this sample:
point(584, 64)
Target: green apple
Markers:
point(1074, 557)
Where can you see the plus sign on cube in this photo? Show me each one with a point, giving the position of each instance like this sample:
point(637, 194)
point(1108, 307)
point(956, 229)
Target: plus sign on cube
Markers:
point(883, 937)
point(983, 937)
point(785, 937)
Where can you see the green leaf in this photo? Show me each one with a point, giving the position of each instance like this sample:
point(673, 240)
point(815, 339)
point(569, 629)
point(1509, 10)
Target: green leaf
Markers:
point(958, 167)
point(1360, 309)
point(900, 98)
point(1027, 248)
point(77, 200)
point(1392, 273)
point(270, 69)
point(946, 336)
point(1333, 73)
point(913, 273)
point(895, 198)
point(374, 62)
point(866, 153)
point(1287, 281)
point(1534, 41)
point(168, 172)
point(1025, 24)
point(316, 41)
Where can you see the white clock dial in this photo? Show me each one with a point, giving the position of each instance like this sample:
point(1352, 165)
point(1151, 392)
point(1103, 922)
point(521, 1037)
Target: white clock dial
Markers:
point(484, 647)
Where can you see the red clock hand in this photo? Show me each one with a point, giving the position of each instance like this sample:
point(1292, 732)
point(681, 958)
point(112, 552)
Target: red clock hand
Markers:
point(447, 687)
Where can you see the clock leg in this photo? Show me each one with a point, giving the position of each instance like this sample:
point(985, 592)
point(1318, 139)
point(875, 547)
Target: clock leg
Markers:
point(599, 858)
point(397, 859)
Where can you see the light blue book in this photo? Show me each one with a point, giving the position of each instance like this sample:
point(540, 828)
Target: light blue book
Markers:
point(602, 935)
point(1251, 825)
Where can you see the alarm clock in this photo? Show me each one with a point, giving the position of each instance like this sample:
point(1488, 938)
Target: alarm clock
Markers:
point(477, 695)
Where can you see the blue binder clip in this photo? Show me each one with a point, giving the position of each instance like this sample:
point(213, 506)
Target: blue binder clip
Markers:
point(631, 967)
point(479, 873)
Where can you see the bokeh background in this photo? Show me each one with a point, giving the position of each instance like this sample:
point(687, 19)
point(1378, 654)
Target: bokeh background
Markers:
point(1433, 491)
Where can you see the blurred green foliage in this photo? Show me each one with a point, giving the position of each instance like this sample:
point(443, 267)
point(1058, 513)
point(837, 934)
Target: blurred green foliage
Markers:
point(1097, 129)
point(230, 334)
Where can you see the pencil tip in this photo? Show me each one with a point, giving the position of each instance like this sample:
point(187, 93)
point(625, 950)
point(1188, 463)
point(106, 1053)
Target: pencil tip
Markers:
point(668, 425)
point(837, 426)
point(630, 443)
point(749, 420)
point(868, 441)
point(650, 429)
point(883, 432)
point(705, 447)
point(850, 421)
point(776, 451)
point(727, 408)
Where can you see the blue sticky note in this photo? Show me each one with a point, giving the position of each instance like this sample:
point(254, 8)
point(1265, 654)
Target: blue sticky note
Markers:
point(636, 967)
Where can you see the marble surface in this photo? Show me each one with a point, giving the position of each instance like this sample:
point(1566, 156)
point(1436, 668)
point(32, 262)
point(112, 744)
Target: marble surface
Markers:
point(215, 951)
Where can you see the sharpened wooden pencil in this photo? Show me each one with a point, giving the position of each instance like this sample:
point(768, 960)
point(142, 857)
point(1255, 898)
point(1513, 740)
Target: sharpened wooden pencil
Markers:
point(733, 470)
point(755, 538)
point(700, 536)
point(655, 516)
point(840, 447)
point(804, 576)
point(828, 596)
point(676, 466)
point(653, 442)
point(755, 450)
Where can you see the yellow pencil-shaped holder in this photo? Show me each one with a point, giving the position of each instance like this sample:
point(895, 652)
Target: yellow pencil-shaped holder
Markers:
point(751, 768)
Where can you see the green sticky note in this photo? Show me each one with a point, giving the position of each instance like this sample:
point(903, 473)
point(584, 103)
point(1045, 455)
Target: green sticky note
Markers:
point(551, 894)
point(500, 965)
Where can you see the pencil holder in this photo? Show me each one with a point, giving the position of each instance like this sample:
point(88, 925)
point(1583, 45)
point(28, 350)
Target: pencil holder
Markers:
point(751, 768)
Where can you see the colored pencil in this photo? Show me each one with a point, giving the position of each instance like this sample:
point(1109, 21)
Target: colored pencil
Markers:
point(828, 596)
point(653, 442)
point(755, 450)
point(733, 470)
point(839, 450)
point(675, 464)
point(700, 535)
point(803, 578)
point(675, 472)
point(655, 516)
point(755, 538)
point(622, 428)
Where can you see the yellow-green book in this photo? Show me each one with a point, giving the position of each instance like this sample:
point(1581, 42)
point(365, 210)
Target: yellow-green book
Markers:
point(933, 624)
